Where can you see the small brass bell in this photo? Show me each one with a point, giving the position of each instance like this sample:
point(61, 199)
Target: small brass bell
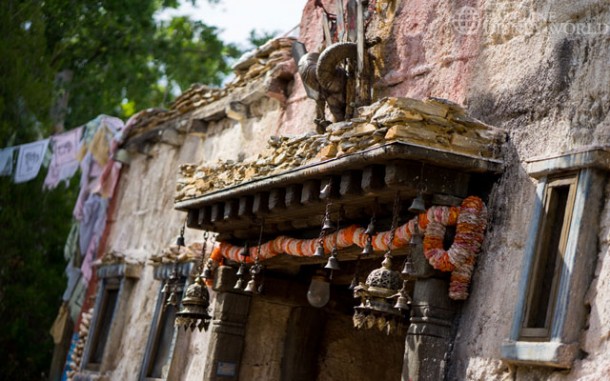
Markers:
point(370, 229)
point(172, 299)
point(239, 284)
point(418, 205)
point(328, 226)
point(408, 269)
point(251, 287)
point(319, 251)
point(368, 248)
point(354, 284)
point(241, 271)
point(416, 239)
point(333, 263)
point(402, 303)
point(245, 252)
point(180, 240)
point(207, 273)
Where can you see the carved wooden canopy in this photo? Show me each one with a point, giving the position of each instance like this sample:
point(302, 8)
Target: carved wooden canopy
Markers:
point(293, 202)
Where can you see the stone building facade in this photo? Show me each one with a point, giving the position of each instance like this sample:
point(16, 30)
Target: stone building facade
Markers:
point(535, 70)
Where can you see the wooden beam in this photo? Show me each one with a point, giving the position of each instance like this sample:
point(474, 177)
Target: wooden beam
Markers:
point(245, 207)
point(373, 179)
point(230, 210)
point(293, 195)
point(310, 192)
point(191, 218)
point(277, 199)
point(350, 183)
point(216, 212)
point(260, 205)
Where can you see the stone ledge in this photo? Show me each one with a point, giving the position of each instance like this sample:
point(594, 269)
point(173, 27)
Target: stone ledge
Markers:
point(119, 270)
point(553, 353)
point(164, 271)
point(588, 157)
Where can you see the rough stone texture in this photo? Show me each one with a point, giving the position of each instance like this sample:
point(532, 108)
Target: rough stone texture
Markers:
point(265, 334)
point(350, 354)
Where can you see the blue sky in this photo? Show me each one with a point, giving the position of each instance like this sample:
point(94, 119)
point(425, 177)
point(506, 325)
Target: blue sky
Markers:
point(237, 17)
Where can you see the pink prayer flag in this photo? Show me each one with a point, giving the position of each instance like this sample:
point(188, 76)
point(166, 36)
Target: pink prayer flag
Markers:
point(64, 162)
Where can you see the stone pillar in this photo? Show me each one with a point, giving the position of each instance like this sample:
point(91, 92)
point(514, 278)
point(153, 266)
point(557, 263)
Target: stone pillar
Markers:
point(227, 329)
point(429, 334)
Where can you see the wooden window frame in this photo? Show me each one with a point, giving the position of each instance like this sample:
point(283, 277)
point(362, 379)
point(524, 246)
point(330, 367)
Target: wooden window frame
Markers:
point(119, 277)
point(542, 254)
point(111, 284)
point(162, 273)
point(557, 344)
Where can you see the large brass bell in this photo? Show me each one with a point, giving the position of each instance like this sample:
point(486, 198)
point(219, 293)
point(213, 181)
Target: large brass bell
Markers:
point(418, 205)
point(195, 307)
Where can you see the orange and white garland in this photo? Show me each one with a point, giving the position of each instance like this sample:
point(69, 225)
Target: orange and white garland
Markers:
point(470, 218)
point(471, 221)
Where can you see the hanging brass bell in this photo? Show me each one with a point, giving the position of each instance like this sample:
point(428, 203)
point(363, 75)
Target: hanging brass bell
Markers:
point(207, 273)
point(368, 248)
point(239, 284)
point(370, 228)
point(241, 271)
point(245, 252)
point(402, 303)
point(408, 269)
point(180, 240)
point(333, 263)
point(319, 251)
point(418, 205)
point(251, 287)
point(328, 226)
point(416, 240)
point(172, 299)
point(194, 305)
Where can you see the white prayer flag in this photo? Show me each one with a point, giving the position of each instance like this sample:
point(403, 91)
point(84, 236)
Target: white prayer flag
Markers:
point(30, 159)
point(6, 161)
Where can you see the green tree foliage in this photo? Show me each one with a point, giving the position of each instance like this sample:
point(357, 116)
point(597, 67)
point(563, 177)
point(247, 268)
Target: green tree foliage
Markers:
point(122, 60)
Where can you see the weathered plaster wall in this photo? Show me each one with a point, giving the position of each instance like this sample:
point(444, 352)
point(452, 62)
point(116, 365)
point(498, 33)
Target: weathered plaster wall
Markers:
point(538, 69)
point(144, 224)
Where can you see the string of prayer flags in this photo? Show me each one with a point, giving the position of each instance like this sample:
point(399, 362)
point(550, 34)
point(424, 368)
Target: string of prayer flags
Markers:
point(30, 160)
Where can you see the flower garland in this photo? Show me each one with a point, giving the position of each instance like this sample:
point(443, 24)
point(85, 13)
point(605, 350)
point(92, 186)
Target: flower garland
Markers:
point(459, 259)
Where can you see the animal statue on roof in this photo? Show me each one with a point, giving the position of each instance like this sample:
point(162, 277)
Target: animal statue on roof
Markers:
point(325, 77)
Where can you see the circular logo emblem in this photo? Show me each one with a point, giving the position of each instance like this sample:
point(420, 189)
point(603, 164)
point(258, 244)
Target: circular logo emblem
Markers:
point(467, 21)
